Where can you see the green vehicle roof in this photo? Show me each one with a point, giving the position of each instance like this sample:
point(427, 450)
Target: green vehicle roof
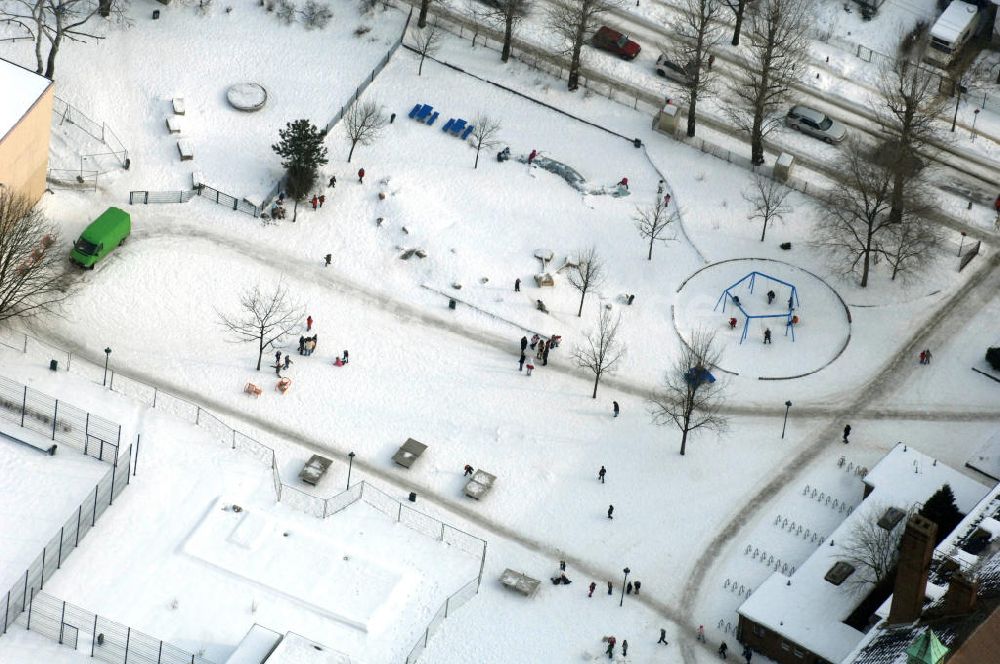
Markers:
point(110, 220)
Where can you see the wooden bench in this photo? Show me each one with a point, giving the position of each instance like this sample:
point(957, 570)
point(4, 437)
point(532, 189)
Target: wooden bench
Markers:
point(178, 104)
point(480, 484)
point(252, 389)
point(408, 452)
point(173, 125)
point(186, 149)
point(314, 469)
point(284, 384)
point(47, 449)
point(519, 582)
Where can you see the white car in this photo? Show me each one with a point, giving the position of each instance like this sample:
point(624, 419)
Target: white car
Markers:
point(812, 122)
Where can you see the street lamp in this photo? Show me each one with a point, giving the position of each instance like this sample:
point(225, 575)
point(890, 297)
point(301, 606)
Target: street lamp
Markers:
point(107, 358)
point(622, 601)
point(972, 132)
point(788, 404)
point(350, 464)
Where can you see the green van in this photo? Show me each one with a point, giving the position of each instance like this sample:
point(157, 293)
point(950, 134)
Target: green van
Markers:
point(100, 238)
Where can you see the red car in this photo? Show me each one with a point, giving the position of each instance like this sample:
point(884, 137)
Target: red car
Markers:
point(615, 42)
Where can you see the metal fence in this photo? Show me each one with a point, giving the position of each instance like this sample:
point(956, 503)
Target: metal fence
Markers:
point(59, 421)
point(456, 600)
point(80, 522)
point(107, 641)
point(66, 113)
point(73, 178)
point(209, 193)
point(148, 197)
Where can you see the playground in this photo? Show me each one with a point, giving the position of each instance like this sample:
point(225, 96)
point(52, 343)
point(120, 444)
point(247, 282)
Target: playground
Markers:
point(771, 319)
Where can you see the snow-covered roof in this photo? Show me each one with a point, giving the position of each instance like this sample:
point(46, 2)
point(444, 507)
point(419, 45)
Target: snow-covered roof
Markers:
point(953, 21)
point(21, 89)
point(987, 458)
point(808, 610)
point(255, 646)
point(296, 649)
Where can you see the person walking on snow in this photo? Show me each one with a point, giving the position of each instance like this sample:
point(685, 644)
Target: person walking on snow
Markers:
point(659, 188)
point(314, 201)
point(531, 156)
point(615, 409)
point(309, 323)
point(609, 587)
point(663, 637)
point(628, 588)
point(534, 341)
point(333, 181)
point(302, 344)
point(530, 367)
point(747, 653)
point(611, 509)
point(328, 258)
point(847, 433)
point(520, 364)
point(540, 351)
point(288, 361)
point(770, 296)
point(611, 646)
point(722, 650)
point(666, 200)
point(767, 335)
point(625, 648)
point(524, 343)
point(517, 285)
point(601, 473)
point(623, 183)
point(701, 633)
point(545, 355)
point(638, 584)
point(593, 587)
point(927, 356)
point(468, 470)
point(361, 175)
point(322, 199)
point(277, 357)
point(923, 357)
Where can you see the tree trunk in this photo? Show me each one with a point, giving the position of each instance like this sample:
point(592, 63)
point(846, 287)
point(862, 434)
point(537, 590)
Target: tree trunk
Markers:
point(692, 106)
point(422, 19)
point(508, 36)
point(684, 433)
point(350, 154)
point(420, 69)
point(651, 239)
point(260, 353)
point(295, 210)
point(864, 269)
point(597, 379)
point(574, 62)
point(757, 137)
point(763, 230)
point(739, 22)
point(50, 66)
point(579, 312)
point(477, 157)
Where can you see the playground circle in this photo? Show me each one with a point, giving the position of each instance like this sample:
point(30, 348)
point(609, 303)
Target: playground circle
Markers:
point(822, 331)
point(248, 97)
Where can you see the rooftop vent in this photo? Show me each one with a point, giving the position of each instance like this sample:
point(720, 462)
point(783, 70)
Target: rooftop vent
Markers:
point(891, 518)
point(839, 573)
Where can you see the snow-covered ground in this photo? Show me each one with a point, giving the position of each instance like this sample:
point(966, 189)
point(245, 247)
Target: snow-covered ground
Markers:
point(449, 378)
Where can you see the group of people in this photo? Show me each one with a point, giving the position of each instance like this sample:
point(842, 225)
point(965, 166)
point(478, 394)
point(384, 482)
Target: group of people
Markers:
point(540, 347)
point(307, 344)
point(925, 356)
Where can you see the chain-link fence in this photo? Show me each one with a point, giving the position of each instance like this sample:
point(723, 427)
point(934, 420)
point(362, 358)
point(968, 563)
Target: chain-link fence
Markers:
point(65, 113)
point(59, 421)
point(456, 600)
point(106, 640)
point(54, 553)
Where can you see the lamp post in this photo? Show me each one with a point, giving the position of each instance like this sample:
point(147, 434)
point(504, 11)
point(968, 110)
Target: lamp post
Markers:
point(350, 464)
point(788, 404)
point(972, 132)
point(622, 601)
point(107, 358)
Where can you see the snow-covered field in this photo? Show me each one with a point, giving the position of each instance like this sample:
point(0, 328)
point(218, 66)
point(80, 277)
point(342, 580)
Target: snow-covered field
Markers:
point(169, 560)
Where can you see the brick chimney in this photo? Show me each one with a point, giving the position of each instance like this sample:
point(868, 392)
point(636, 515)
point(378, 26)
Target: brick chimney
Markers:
point(915, 550)
point(960, 599)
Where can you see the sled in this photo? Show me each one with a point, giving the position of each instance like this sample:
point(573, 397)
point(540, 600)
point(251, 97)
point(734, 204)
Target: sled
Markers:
point(283, 385)
point(252, 389)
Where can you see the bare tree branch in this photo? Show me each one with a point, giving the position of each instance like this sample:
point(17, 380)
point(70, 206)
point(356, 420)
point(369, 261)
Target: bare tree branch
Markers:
point(363, 123)
point(426, 40)
point(767, 198)
point(484, 134)
point(871, 549)
point(572, 21)
point(266, 317)
point(508, 14)
point(690, 398)
point(603, 351)
point(654, 222)
point(587, 275)
point(697, 30)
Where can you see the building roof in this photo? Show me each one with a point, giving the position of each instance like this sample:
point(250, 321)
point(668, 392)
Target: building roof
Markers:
point(296, 649)
point(809, 610)
point(926, 649)
point(974, 548)
point(21, 89)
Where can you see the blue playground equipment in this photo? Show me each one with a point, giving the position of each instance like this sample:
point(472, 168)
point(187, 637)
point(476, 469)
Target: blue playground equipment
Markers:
point(728, 296)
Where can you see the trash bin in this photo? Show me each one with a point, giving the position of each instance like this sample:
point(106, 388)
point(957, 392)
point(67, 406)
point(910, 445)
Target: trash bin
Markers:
point(452, 304)
point(53, 365)
point(156, 14)
point(413, 497)
point(637, 142)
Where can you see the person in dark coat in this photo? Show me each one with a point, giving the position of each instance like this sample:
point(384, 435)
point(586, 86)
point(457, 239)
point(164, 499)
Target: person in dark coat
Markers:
point(277, 357)
point(288, 361)
point(593, 587)
point(611, 509)
point(361, 175)
point(328, 258)
point(601, 473)
point(770, 296)
point(663, 637)
point(517, 285)
point(722, 650)
point(531, 157)
point(520, 364)
point(322, 199)
point(638, 584)
point(615, 409)
point(302, 344)
point(524, 343)
point(609, 587)
point(625, 648)
point(847, 433)
point(628, 588)
point(333, 181)
point(747, 654)
point(392, 118)
point(545, 355)
point(468, 470)
point(345, 358)
point(767, 335)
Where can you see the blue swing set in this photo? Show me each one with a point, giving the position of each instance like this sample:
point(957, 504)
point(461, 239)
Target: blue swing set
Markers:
point(729, 296)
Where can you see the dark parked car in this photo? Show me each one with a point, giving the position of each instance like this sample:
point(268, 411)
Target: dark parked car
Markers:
point(615, 42)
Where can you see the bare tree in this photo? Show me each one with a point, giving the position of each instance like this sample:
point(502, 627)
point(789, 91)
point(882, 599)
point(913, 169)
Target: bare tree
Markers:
point(52, 22)
point(910, 244)
point(697, 31)
point(603, 351)
point(588, 274)
point(363, 123)
point(653, 223)
point(872, 549)
point(571, 21)
point(738, 8)
point(858, 207)
point(773, 60)
point(908, 109)
point(266, 317)
point(425, 5)
point(484, 134)
point(690, 397)
point(426, 41)
point(508, 14)
point(33, 278)
point(767, 198)
point(477, 13)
